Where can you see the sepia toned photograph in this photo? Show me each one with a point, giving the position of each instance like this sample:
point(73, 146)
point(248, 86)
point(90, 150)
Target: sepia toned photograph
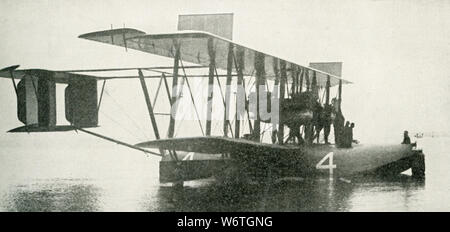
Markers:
point(224, 106)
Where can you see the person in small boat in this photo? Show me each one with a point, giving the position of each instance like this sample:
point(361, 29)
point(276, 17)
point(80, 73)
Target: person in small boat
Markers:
point(406, 139)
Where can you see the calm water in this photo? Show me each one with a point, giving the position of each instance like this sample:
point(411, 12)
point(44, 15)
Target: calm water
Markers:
point(82, 178)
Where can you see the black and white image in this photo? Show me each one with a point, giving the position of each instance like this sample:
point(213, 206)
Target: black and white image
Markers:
point(296, 105)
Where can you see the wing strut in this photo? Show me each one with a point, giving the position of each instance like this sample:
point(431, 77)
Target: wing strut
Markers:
point(212, 64)
point(239, 66)
point(276, 93)
point(149, 107)
point(226, 120)
point(260, 81)
point(174, 96)
point(11, 72)
point(283, 80)
point(101, 95)
point(149, 104)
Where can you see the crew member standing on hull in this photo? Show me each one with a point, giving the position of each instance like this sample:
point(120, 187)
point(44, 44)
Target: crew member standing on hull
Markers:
point(406, 139)
point(338, 123)
point(327, 122)
point(352, 125)
point(345, 136)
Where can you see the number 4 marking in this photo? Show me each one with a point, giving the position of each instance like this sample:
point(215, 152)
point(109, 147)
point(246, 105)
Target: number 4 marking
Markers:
point(330, 165)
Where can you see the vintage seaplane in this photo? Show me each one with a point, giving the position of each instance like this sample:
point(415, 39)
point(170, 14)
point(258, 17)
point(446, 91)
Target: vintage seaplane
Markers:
point(205, 41)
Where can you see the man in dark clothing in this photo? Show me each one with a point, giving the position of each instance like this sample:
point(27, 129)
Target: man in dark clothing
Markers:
point(406, 139)
point(294, 132)
point(350, 136)
point(338, 125)
point(327, 121)
point(346, 133)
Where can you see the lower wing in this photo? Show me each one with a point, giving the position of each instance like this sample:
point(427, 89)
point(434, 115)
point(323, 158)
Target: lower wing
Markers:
point(215, 145)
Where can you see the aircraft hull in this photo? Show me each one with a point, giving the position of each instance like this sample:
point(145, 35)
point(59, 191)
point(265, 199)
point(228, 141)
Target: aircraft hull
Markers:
point(314, 160)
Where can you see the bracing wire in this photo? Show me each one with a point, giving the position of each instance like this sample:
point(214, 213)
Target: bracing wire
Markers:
point(157, 92)
point(223, 99)
point(192, 98)
point(120, 125)
point(127, 115)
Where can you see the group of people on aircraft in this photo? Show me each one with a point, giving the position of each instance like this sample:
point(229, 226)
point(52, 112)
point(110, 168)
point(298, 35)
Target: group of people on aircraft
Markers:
point(322, 118)
point(343, 134)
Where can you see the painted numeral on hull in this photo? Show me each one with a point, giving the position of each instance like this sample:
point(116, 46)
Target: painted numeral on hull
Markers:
point(330, 166)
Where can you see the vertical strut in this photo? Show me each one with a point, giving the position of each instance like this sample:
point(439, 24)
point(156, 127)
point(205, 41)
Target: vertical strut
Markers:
point(239, 64)
point(314, 88)
point(283, 77)
point(260, 81)
point(294, 79)
point(250, 127)
point(212, 65)
point(277, 95)
point(308, 86)
point(174, 97)
point(301, 80)
point(226, 120)
point(327, 89)
point(297, 77)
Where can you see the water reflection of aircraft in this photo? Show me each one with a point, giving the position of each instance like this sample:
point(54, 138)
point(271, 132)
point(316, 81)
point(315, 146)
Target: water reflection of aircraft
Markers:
point(304, 195)
point(208, 45)
point(288, 194)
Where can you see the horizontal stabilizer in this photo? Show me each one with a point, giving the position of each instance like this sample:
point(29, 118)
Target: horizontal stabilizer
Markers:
point(215, 145)
point(36, 128)
point(10, 68)
point(59, 77)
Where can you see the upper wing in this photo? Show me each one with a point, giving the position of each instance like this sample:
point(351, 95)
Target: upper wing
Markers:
point(114, 36)
point(193, 48)
point(215, 145)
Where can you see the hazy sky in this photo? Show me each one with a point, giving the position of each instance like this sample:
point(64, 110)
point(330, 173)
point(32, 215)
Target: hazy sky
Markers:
point(397, 53)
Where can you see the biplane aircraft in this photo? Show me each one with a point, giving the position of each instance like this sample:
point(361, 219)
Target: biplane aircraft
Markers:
point(205, 42)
